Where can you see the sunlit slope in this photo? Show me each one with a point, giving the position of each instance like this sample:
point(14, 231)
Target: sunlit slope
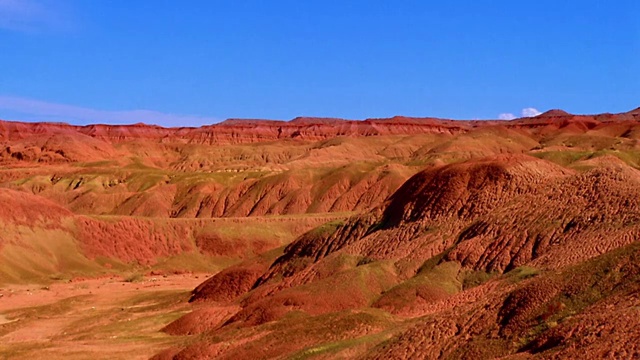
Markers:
point(491, 257)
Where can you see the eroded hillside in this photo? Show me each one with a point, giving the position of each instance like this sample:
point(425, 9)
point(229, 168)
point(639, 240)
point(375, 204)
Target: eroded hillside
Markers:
point(386, 238)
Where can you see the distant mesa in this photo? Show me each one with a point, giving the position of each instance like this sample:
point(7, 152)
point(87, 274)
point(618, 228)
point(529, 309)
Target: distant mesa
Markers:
point(244, 122)
point(304, 120)
point(554, 113)
point(562, 113)
point(235, 130)
point(635, 111)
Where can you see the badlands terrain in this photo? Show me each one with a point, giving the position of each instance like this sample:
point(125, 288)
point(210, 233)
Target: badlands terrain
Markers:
point(315, 238)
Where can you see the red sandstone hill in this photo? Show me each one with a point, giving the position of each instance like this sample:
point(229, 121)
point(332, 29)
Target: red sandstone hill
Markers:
point(381, 238)
point(310, 128)
point(463, 260)
point(256, 167)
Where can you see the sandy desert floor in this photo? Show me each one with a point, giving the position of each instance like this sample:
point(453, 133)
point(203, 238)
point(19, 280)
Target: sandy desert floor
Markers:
point(106, 318)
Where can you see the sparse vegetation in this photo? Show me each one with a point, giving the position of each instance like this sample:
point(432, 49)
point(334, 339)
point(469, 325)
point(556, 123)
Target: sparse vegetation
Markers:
point(522, 273)
point(471, 279)
point(307, 240)
point(135, 277)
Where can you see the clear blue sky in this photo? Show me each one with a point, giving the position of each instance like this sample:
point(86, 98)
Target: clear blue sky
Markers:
point(193, 62)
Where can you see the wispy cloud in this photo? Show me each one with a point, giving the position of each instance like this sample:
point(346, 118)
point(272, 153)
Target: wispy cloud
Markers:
point(35, 110)
point(530, 112)
point(526, 112)
point(506, 116)
point(31, 15)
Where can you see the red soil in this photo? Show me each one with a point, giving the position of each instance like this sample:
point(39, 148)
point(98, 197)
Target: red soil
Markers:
point(77, 319)
point(492, 216)
point(22, 208)
point(458, 239)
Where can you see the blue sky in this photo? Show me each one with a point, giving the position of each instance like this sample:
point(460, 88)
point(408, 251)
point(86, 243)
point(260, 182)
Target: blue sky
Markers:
point(178, 63)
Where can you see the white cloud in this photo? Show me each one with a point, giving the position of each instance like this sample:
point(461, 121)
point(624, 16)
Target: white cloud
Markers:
point(31, 15)
point(506, 116)
point(526, 112)
point(36, 110)
point(530, 112)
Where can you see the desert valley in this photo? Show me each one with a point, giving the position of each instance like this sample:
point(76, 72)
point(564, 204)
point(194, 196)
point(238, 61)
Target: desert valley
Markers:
point(320, 238)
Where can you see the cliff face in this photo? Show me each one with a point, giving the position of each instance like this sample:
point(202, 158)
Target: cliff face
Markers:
point(234, 131)
point(238, 131)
